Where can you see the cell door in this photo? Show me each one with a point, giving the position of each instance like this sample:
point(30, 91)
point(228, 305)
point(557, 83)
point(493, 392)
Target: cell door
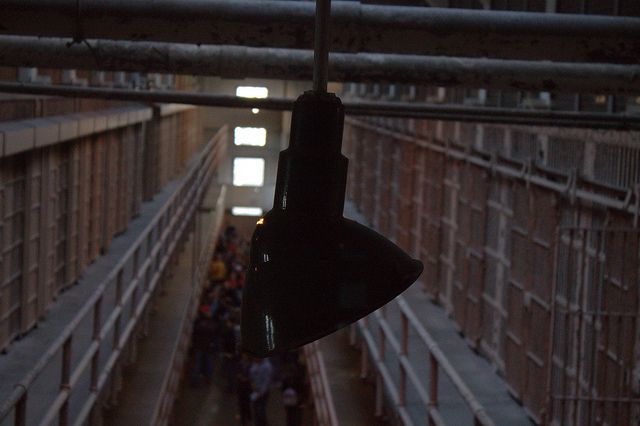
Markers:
point(469, 252)
point(431, 217)
point(594, 338)
point(497, 249)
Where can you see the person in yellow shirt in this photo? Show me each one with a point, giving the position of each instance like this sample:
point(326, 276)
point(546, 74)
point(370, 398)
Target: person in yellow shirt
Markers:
point(217, 270)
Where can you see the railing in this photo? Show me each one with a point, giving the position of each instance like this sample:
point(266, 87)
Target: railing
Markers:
point(322, 397)
point(623, 199)
point(112, 311)
point(376, 350)
point(173, 374)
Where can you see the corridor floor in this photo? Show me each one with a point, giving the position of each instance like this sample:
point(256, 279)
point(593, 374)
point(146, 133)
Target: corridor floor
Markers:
point(211, 405)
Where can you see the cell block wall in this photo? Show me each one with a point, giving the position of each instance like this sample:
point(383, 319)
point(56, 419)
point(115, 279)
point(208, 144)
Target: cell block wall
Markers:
point(68, 185)
point(536, 263)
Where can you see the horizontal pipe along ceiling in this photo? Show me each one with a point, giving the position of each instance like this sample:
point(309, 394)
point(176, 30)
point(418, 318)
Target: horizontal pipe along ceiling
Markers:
point(392, 109)
point(356, 27)
point(292, 64)
point(500, 50)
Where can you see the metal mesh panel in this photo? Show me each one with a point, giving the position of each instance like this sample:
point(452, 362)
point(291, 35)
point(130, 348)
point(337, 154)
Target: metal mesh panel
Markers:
point(493, 140)
point(565, 154)
point(524, 146)
point(617, 165)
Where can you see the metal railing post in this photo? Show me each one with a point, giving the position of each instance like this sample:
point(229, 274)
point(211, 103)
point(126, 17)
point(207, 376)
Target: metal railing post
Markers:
point(402, 391)
point(97, 330)
point(364, 360)
point(381, 343)
point(65, 379)
point(21, 411)
point(119, 284)
point(404, 342)
point(379, 395)
point(352, 334)
point(433, 380)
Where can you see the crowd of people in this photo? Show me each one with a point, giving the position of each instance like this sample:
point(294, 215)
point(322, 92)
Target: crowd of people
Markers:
point(216, 337)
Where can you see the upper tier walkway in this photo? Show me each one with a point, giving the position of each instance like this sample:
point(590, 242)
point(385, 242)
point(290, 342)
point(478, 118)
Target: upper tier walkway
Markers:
point(475, 373)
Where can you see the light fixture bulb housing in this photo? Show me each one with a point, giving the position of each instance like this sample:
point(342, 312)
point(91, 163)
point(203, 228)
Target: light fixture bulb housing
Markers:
point(312, 271)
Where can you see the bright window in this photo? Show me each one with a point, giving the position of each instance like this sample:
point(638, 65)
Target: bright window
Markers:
point(252, 92)
point(253, 136)
point(248, 171)
point(246, 211)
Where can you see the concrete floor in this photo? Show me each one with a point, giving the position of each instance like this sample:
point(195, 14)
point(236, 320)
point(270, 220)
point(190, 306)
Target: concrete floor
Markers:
point(211, 405)
point(353, 397)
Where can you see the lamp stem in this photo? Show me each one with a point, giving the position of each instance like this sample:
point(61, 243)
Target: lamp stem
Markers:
point(321, 47)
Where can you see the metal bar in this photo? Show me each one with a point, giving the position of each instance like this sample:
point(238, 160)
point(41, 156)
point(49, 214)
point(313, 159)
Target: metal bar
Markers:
point(598, 280)
point(568, 331)
point(65, 382)
point(402, 386)
point(321, 46)
point(612, 399)
point(581, 305)
point(436, 355)
point(381, 343)
point(21, 410)
point(619, 356)
point(244, 62)
point(428, 397)
point(357, 108)
point(358, 28)
point(119, 284)
point(433, 380)
point(379, 393)
point(547, 412)
point(97, 331)
point(404, 339)
point(603, 346)
point(326, 389)
point(364, 360)
point(383, 378)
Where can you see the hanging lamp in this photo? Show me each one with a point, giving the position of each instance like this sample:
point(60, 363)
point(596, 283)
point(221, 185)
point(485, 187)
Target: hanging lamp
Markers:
point(311, 271)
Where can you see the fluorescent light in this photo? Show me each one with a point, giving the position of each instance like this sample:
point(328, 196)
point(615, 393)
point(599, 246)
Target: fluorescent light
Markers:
point(253, 136)
point(252, 92)
point(248, 171)
point(246, 211)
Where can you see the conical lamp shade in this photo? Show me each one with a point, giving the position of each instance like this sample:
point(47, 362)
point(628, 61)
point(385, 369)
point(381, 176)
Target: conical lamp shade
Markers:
point(311, 270)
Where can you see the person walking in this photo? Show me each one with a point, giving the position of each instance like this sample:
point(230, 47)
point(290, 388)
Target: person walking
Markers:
point(228, 349)
point(217, 270)
point(243, 389)
point(203, 333)
point(261, 376)
point(291, 402)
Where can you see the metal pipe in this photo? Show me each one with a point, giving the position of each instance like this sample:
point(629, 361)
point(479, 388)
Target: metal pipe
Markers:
point(357, 27)
point(321, 46)
point(241, 62)
point(358, 108)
